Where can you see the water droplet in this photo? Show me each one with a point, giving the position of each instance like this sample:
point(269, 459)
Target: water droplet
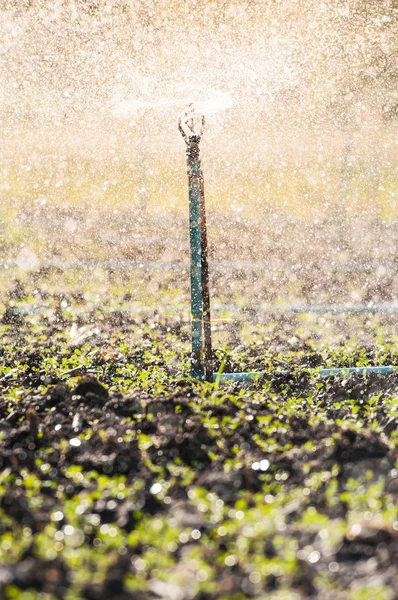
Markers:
point(196, 534)
point(231, 560)
point(156, 488)
point(314, 557)
point(69, 530)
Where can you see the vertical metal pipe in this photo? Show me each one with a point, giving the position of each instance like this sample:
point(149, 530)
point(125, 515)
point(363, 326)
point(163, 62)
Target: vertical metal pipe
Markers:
point(200, 296)
point(194, 174)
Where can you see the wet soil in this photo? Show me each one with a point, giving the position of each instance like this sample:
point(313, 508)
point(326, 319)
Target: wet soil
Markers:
point(122, 479)
point(306, 446)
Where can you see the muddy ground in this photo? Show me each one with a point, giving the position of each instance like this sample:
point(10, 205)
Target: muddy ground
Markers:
point(120, 478)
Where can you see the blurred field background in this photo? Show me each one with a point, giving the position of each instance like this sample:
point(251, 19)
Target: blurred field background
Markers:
point(300, 144)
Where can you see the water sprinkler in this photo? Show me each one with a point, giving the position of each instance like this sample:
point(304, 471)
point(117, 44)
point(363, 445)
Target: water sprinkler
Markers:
point(201, 367)
point(200, 293)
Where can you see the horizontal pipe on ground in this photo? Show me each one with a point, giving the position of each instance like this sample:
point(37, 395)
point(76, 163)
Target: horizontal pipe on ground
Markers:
point(327, 308)
point(236, 377)
point(282, 309)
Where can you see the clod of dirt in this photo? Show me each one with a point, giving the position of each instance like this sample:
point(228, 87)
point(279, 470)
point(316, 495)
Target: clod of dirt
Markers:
point(17, 292)
point(12, 316)
point(365, 540)
point(92, 390)
point(47, 576)
point(227, 484)
point(59, 393)
point(371, 533)
point(354, 446)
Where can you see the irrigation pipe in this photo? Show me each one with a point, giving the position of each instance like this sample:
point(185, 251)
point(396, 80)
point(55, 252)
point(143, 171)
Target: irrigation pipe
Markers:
point(253, 375)
point(328, 308)
point(284, 309)
point(192, 140)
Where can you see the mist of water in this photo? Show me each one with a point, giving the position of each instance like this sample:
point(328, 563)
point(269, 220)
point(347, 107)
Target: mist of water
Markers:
point(300, 99)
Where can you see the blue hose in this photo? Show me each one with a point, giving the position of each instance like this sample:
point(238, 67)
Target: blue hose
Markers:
point(236, 377)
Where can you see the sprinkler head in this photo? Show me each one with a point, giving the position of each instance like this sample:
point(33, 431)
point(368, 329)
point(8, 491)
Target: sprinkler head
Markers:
point(186, 125)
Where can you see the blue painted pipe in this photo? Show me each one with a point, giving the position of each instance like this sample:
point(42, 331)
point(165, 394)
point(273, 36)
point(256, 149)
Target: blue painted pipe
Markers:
point(326, 308)
point(194, 170)
point(358, 370)
point(236, 377)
